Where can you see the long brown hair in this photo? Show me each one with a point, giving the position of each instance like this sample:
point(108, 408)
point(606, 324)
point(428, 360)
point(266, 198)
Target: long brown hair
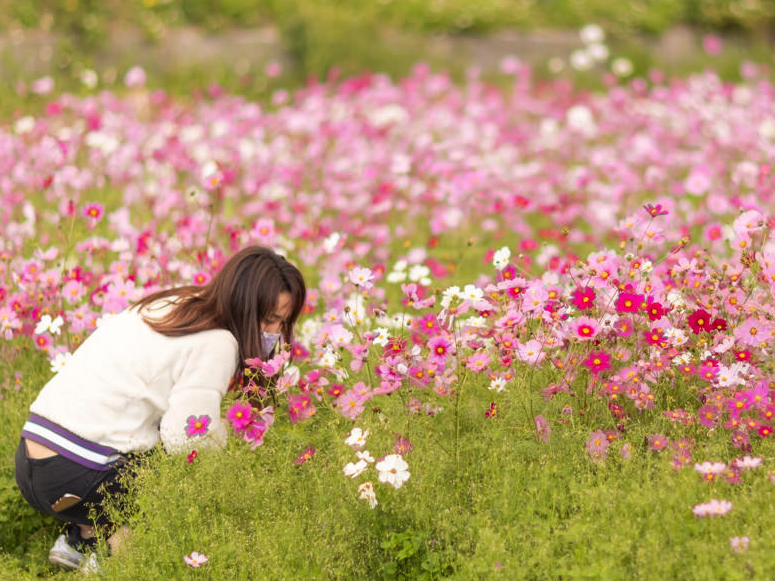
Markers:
point(238, 299)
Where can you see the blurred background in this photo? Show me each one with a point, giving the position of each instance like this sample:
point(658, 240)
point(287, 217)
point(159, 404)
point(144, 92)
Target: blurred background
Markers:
point(252, 47)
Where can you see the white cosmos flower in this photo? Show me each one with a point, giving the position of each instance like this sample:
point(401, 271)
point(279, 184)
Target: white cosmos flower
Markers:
point(59, 361)
point(598, 51)
point(357, 438)
point(419, 273)
point(498, 384)
point(622, 67)
point(328, 359)
point(473, 293)
point(382, 336)
point(393, 470)
point(500, 259)
point(366, 456)
point(591, 33)
point(330, 244)
point(24, 125)
point(451, 294)
point(399, 272)
point(361, 277)
point(355, 469)
point(581, 60)
point(47, 324)
point(366, 492)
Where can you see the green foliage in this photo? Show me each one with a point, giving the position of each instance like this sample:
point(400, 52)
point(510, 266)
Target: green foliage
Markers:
point(91, 19)
point(486, 500)
point(410, 555)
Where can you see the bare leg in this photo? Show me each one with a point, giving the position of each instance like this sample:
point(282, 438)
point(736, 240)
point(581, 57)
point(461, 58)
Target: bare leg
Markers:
point(117, 539)
point(87, 531)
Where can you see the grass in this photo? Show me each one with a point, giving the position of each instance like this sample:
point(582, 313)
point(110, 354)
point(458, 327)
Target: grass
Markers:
point(509, 507)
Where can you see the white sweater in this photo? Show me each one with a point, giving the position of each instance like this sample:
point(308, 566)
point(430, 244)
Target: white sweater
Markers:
point(127, 385)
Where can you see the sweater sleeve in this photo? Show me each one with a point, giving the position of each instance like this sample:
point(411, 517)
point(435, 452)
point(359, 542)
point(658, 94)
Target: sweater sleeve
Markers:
point(194, 414)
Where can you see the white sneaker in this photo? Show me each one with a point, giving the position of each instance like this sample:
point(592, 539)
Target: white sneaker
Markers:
point(64, 555)
point(91, 566)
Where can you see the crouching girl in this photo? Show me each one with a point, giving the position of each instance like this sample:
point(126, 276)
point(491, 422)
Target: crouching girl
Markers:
point(154, 372)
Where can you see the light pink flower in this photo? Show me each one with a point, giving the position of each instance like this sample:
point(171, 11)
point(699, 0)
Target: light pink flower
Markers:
point(195, 559)
point(712, 508)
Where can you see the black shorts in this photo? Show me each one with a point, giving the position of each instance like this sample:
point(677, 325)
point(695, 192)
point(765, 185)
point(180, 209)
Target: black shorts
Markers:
point(43, 481)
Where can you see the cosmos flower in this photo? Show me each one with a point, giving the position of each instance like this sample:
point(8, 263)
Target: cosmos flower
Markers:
point(195, 559)
point(393, 470)
point(712, 508)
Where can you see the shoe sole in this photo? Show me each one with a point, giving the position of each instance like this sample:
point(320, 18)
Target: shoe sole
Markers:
point(63, 560)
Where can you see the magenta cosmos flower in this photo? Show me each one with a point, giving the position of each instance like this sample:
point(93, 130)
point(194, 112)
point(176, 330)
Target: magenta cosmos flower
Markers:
point(240, 415)
point(197, 425)
point(583, 298)
point(598, 361)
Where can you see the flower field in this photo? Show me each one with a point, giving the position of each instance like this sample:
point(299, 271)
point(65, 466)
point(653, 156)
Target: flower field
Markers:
point(537, 342)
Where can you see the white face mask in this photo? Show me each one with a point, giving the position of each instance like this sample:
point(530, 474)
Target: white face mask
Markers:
point(270, 340)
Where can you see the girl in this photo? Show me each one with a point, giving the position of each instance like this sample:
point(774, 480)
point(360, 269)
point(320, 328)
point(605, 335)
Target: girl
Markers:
point(156, 371)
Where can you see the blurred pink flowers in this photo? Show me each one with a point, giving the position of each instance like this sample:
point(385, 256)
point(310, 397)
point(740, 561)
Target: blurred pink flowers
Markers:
point(712, 508)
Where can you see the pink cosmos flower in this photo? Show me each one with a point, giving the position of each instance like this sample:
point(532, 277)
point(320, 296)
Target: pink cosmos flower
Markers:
point(240, 414)
point(439, 347)
point(192, 456)
point(709, 470)
point(598, 361)
point(747, 462)
point(253, 434)
point(273, 69)
point(305, 456)
point(200, 278)
point(350, 404)
point(752, 332)
point(738, 544)
point(657, 442)
point(300, 407)
point(629, 302)
point(712, 44)
point(135, 78)
point(73, 291)
point(197, 425)
point(195, 559)
point(623, 327)
point(583, 298)
point(713, 508)
point(361, 277)
point(43, 85)
point(597, 445)
point(402, 445)
point(93, 212)
point(543, 429)
point(531, 352)
point(584, 328)
point(478, 361)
